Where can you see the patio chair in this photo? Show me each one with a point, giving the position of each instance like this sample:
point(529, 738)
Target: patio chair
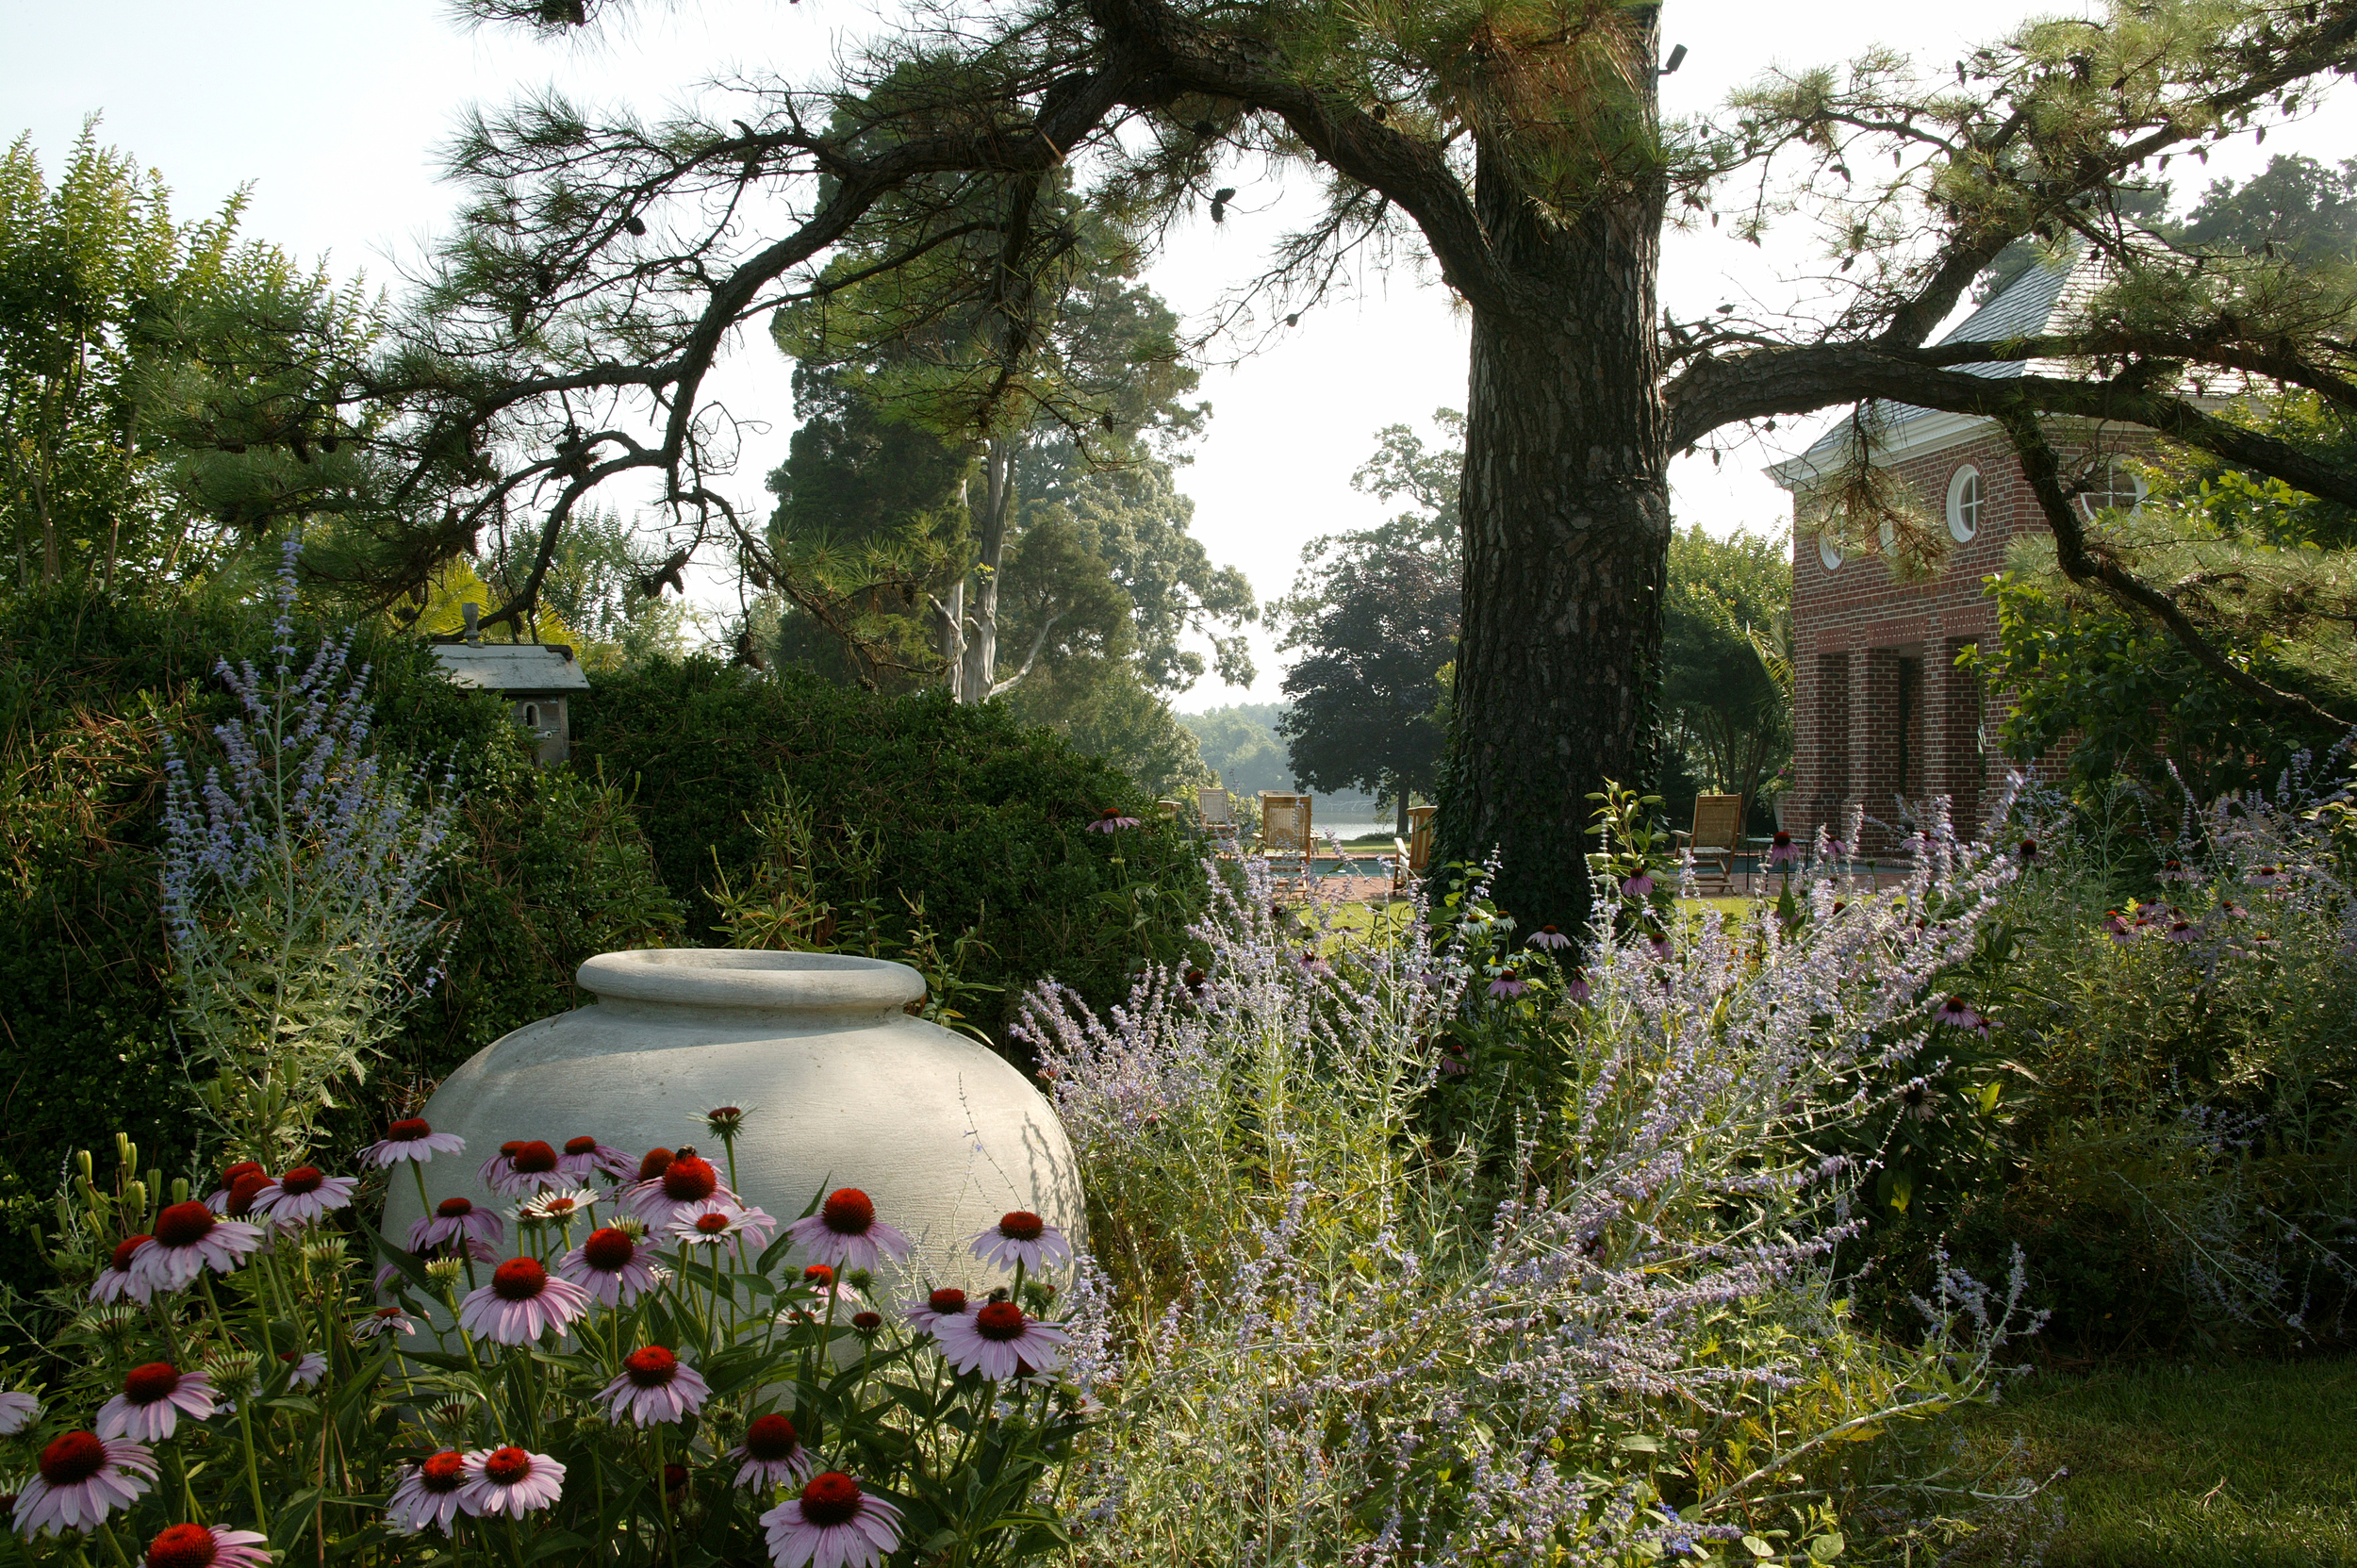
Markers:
point(1717, 835)
point(1415, 851)
point(1285, 831)
point(1217, 807)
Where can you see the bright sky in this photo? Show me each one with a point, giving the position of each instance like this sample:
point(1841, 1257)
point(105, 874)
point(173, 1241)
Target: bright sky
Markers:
point(334, 112)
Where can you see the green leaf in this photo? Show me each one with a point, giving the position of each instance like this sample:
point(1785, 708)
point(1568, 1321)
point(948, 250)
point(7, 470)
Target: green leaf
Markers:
point(400, 1258)
point(295, 1517)
point(1757, 1547)
point(1828, 1546)
point(554, 1541)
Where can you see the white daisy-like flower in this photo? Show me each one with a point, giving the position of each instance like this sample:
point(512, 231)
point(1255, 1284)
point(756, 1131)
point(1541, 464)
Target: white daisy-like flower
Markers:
point(559, 1205)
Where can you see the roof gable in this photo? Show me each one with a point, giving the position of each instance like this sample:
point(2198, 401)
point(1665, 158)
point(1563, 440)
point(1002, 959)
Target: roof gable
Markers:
point(516, 667)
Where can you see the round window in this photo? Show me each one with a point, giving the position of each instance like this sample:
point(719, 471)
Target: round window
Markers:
point(2115, 486)
point(1964, 503)
point(1828, 551)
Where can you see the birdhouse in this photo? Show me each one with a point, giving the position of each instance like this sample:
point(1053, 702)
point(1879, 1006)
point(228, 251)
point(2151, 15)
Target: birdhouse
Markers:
point(537, 679)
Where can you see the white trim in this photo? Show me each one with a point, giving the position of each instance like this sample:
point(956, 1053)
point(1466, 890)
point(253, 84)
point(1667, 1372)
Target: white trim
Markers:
point(1958, 529)
point(1829, 552)
point(1925, 433)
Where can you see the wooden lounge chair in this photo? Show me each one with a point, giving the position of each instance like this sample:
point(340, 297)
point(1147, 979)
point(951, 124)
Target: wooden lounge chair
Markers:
point(1285, 831)
point(1415, 851)
point(1217, 807)
point(1717, 836)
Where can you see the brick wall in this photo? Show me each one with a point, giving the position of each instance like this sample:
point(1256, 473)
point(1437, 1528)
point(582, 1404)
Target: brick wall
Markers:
point(1882, 713)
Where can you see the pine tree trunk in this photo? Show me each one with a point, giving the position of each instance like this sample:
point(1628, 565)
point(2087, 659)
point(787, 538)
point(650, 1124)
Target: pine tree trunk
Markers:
point(1566, 531)
point(990, 532)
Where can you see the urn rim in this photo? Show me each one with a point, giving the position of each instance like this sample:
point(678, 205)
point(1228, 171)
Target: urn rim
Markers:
point(742, 978)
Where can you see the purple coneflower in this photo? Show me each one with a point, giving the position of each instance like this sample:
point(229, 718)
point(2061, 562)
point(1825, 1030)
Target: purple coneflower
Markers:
point(432, 1492)
point(2181, 931)
point(1022, 1237)
point(1548, 937)
point(385, 1320)
point(455, 1217)
point(946, 1302)
point(190, 1238)
point(2028, 850)
point(1576, 988)
point(655, 1385)
point(1660, 944)
point(586, 1157)
point(1782, 850)
point(413, 1139)
point(1958, 1013)
point(1638, 887)
point(80, 1480)
point(17, 1412)
point(2115, 926)
point(1110, 820)
point(118, 1280)
point(844, 1232)
point(519, 1170)
point(1507, 984)
point(774, 1454)
point(612, 1265)
point(154, 1398)
point(303, 1368)
point(219, 1199)
point(303, 1195)
point(520, 1303)
point(684, 1181)
point(511, 1480)
point(207, 1546)
point(1001, 1341)
point(2175, 871)
point(2268, 876)
point(832, 1525)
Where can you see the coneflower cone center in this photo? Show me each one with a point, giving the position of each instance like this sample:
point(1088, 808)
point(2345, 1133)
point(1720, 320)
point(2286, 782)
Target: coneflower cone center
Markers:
point(771, 1438)
point(506, 1466)
point(1022, 1226)
point(534, 1158)
point(408, 1130)
point(184, 1225)
point(651, 1367)
point(947, 1302)
point(712, 1224)
point(1000, 1320)
point(144, 1385)
point(121, 1260)
point(690, 1180)
point(303, 1179)
point(454, 1208)
point(444, 1472)
point(244, 1193)
point(182, 1547)
point(831, 1499)
point(848, 1212)
point(581, 1146)
point(71, 1458)
point(519, 1280)
point(653, 1163)
point(608, 1250)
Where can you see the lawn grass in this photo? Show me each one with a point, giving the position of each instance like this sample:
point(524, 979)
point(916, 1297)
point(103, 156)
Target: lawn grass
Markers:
point(2248, 1465)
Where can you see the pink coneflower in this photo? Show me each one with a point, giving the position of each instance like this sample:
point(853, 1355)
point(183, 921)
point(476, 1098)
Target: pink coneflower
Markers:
point(655, 1385)
point(1001, 1341)
point(774, 1454)
point(1507, 984)
point(612, 1265)
point(939, 1304)
point(82, 1478)
point(2175, 871)
point(1110, 820)
point(2115, 926)
point(1549, 938)
point(555, 1207)
point(17, 1412)
point(154, 1398)
point(189, 1240)
point(724, 1225)
point(1022, 1237)
point(414, 1139)
point(1958, 1013)
point(1576, 988)
point(685, 1180)
point(385, 1320)
point(1660, 944)
point(303, 1195)
point(2268, 876)
point(118, 1280)
point(846, 1232)
point(244, 1192)
point(455, 1217)
point(207, 1546)
point(1782, 850)
point(584, 1157)
point(432, 1492)
point(512, 1481)
point(520, 1303)
point(304, 1369)
point(522, 1168)
point(1833, 849)
point(2181, 931)
point(1638, 887)
point(231, 1175)
point(2028, 850)
point(2231, 910)
point(832, 1525)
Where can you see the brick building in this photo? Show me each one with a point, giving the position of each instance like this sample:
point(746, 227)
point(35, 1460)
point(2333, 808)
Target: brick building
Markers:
point(1883, 716)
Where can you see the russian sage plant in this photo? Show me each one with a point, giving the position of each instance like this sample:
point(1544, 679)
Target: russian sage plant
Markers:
point(295, 865)
point(1360, 1333)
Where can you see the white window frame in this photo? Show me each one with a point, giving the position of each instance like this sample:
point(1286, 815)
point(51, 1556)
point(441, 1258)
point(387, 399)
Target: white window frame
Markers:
point(1961, 528)
point(1829, 552)
point(2116, 470)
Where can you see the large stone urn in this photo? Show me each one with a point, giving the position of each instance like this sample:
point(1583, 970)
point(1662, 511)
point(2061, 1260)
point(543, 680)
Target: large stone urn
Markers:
point(840, 1087)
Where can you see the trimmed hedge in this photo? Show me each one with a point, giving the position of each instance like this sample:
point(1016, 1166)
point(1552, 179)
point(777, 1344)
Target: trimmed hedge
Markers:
point(982, 816)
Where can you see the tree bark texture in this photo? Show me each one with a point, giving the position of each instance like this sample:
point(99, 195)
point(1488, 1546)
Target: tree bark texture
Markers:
point(1566, 517)
point(980, 674)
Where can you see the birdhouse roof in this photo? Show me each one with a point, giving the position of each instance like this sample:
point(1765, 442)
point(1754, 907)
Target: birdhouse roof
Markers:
point(518, 668)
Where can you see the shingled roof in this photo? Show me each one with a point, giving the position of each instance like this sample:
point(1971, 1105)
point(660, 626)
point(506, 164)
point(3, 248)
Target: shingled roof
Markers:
point(521, 669)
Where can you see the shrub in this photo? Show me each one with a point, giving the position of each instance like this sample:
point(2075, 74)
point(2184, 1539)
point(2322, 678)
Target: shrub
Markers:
point(912, 802)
